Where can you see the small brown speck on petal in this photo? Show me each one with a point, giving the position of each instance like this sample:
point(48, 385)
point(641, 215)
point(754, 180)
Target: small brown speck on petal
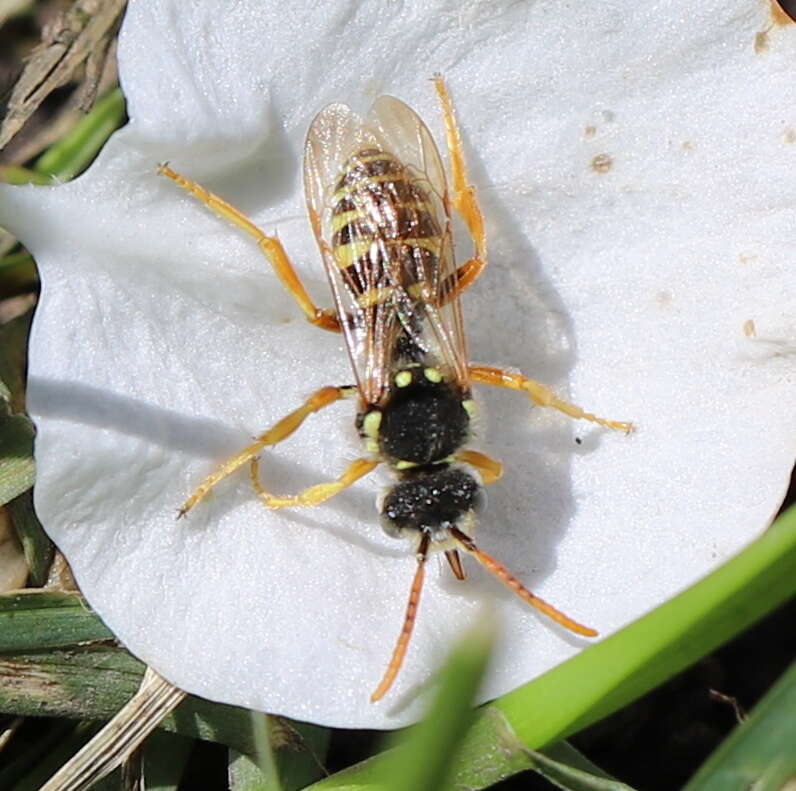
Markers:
point(602, 163)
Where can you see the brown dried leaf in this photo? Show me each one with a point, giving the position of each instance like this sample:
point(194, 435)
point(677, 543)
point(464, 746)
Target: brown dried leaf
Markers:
point(120, 738)
point(83, 30)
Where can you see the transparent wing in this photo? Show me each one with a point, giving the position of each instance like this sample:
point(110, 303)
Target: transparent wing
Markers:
point(377, 293)
point(409, 139)
point(335, 134)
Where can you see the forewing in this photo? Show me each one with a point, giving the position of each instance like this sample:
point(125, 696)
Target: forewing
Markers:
point(335, 134)
point(404, 134)
point(370, 324)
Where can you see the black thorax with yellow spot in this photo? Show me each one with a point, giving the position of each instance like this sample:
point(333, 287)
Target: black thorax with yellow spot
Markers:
point(417, 430)
point(423, 421)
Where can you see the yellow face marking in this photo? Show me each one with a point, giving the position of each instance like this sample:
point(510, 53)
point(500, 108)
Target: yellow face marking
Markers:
point(403, 378)
point(433, 375)
point(405, 465)
point(371, 423)
point(470, 407)
point(371, 446)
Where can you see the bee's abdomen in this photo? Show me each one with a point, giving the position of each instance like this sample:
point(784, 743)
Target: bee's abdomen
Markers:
point(430, 498)
point(380, 218)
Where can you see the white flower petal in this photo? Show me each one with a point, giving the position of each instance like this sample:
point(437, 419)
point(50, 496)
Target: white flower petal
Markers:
point(635, 168)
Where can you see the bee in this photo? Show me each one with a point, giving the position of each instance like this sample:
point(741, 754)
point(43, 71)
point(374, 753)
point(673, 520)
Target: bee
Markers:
point(381, 211)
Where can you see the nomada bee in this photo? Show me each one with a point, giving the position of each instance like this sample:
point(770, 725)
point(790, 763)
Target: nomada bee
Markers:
point(380, 209)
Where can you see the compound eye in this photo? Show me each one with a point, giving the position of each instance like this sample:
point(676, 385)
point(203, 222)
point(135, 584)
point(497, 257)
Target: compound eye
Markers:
point(479, 502)
point(389, 513)
point(388, 525)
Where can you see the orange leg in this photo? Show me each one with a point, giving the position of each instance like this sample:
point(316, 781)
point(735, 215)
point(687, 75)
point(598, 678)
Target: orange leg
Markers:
point(490, 469)
point(464, 200)
point(455, 562)
point(283, 429)
point(539, 394)
point(461, 279)
point(317, 494)
point(409, 621)
point(269, 245)
point(513, 584)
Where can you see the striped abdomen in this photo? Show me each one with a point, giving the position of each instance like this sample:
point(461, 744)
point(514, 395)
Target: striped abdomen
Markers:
point(384, 233)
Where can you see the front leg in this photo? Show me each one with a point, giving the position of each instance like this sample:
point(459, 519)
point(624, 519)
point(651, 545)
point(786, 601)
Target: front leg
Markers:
point(270, 246)
point(464, 198)
point(283, 429)
point(539, 394)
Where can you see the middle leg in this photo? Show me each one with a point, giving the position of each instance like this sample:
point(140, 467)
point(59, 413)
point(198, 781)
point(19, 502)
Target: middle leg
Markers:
point(539, 394)
point(491, 469)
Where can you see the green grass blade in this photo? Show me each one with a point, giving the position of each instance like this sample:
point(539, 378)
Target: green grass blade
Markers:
point(23, 771)
point(165, 758)
point(93, 682)
point(288, 756)
point(300, 749)
point(36, 544)
point(58, 659)
point(36, 620)
point(14, 360)
point(423, 756)
point(567, 769)
point(17, 469)
point(15, 174)
point(760, 753)
point(245, 774)
point(565, 753)
point(611, 674)
point(17, 274)
point(618, 670)
point(258, 773)
point(80, 145)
